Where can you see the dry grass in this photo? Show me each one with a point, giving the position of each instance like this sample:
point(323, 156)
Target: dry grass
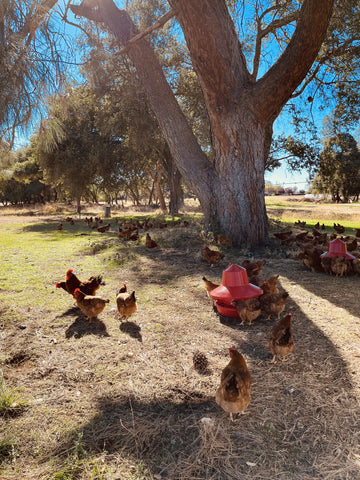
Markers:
point(107, 400)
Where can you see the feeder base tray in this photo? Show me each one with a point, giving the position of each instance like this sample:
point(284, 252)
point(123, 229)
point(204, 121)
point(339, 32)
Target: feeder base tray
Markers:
point(226, 310)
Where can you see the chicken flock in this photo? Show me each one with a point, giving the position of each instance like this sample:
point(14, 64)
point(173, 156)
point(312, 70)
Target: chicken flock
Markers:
point(312, 244)
point(234, 391)
point(84, 293)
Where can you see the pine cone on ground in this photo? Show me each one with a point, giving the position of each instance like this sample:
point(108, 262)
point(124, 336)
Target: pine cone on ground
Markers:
point(200, 361)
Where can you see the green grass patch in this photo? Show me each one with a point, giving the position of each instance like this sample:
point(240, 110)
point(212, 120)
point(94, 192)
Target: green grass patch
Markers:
point(10, 401)
point(7, 449)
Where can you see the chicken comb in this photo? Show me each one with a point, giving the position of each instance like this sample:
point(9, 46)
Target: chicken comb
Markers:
point(57, 285)
point(232, 350)
point(68, 274)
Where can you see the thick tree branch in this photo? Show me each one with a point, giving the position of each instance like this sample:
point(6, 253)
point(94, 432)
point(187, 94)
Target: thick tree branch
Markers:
point(66, 20)
point(306, 82)
point(215, 49)
point(191, 161)
point(90, 13)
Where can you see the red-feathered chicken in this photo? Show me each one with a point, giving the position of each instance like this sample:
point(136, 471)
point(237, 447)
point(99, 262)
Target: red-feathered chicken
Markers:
point(104, 228)
point(339, 228)
point(311, 257)
point(224, 240)
point(270, 285)
point(233, 394)
point(89, 287)
point(253, 270)
point(281, 338)
point(91, 305)
point(209, 285)
point(351, 246)
point(283, 235)
point(149, 242)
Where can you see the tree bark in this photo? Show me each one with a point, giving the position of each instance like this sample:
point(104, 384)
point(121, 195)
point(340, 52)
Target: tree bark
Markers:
point(176, 194)
point(156, 176)
point(241, 110)
point(175, 191)
point(173, 177)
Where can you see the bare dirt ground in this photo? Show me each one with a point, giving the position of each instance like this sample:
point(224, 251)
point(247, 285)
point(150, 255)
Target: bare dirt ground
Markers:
point(111, 400)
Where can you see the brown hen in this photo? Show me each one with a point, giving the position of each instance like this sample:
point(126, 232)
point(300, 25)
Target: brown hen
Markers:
point(233, 394)
point(270, 285)
point(212, 256)
point(126, 303)
point(72, 282)
point(149, 242)
point(90, 305)
point(273, 303)
point(281, 341)
point(248, 310)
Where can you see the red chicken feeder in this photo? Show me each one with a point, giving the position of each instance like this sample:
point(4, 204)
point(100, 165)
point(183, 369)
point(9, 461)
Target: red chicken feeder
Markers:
point(235, 286)
point(337, 248)
point(226, 310)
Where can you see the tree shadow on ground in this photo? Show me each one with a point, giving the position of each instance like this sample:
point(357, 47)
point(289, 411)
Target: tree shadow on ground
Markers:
point(283, 430)
point(156, 430)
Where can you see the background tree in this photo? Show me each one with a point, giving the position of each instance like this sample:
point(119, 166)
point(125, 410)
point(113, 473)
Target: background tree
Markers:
point(333, 81)
point(298, 154)
point(90, 145)
point(339, 169)
point(71, 149)
point(22, 179)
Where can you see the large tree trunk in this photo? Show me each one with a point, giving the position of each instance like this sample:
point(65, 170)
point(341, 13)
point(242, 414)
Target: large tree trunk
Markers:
point(239, 187)
point(241, 110)
point(175, 191)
